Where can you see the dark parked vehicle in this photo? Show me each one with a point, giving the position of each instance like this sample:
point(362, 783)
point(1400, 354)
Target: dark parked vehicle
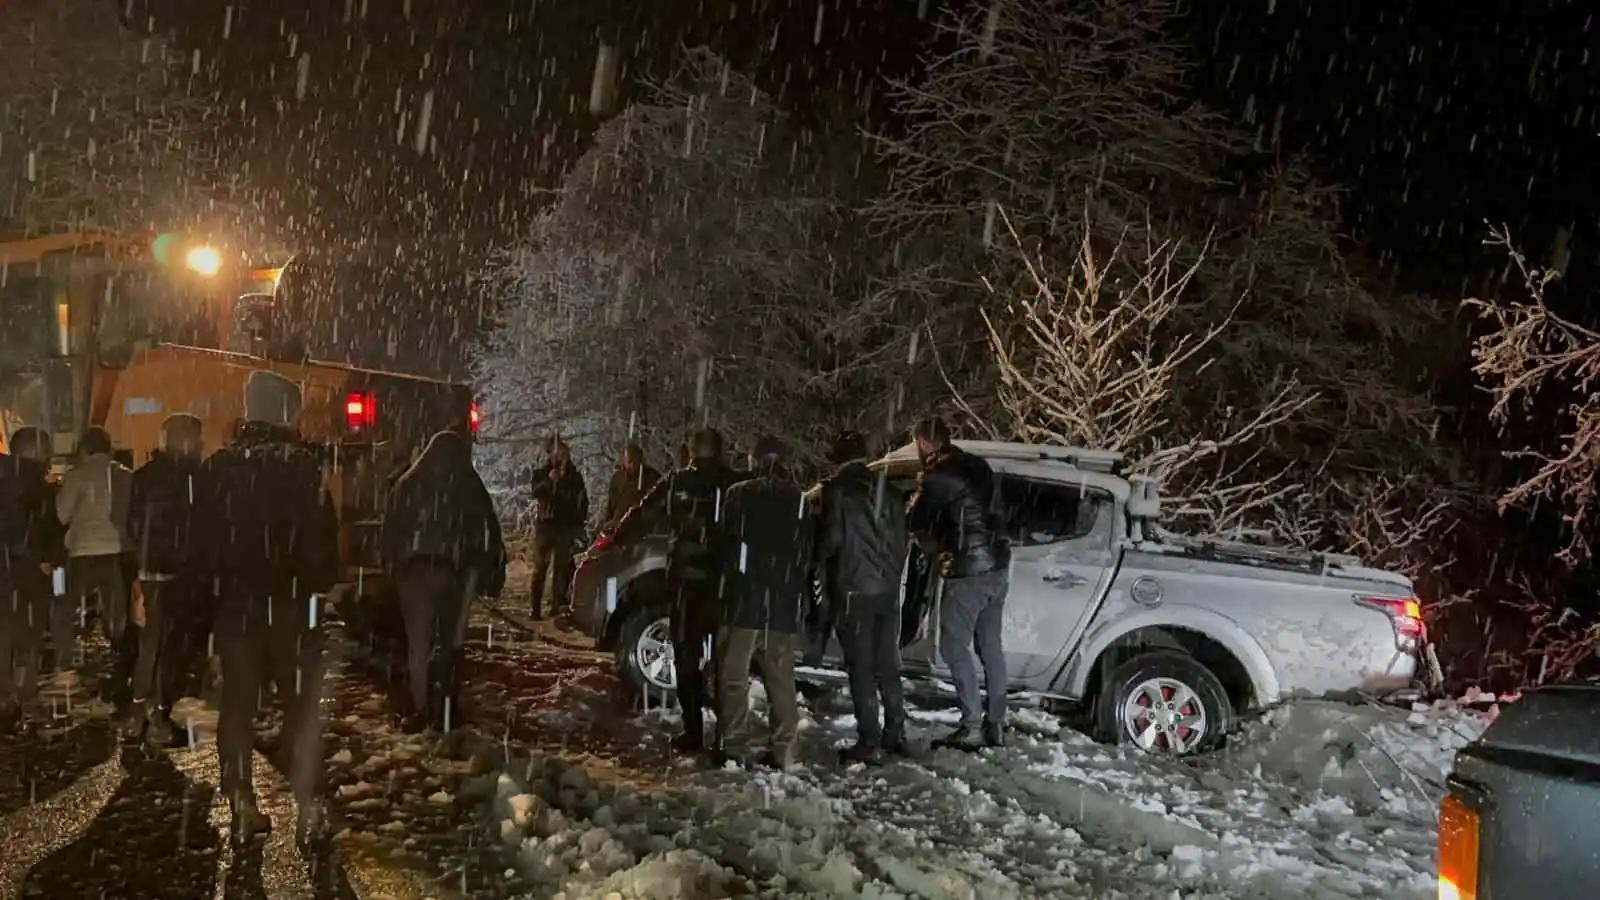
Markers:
point(1523, 806)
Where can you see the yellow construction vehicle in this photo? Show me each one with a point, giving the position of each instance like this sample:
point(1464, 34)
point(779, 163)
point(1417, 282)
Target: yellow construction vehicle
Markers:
point(119, 332)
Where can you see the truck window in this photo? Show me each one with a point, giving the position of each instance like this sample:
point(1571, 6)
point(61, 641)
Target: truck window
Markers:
point(1045, 512)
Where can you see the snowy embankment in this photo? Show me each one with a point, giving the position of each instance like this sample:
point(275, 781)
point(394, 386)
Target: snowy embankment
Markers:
point(1313, 800)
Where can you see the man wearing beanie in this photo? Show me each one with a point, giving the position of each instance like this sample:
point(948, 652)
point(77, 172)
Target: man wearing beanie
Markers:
point(766, 566)
point(267, 541)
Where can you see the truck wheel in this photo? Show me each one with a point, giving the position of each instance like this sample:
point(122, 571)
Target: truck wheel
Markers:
point(1163, 702)
point(644, 654)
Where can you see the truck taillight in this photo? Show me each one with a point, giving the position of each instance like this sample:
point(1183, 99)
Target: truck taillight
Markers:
point(474, 418)
point(1405, 613)
point(360, 411)
point(1458, 850)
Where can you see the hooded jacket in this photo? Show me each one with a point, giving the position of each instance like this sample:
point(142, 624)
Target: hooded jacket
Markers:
point(766, 558)
point(439, 508)
point(93, 506)
point(266, 523)
point(864, 538)
point(29, 532)
point(161, 513)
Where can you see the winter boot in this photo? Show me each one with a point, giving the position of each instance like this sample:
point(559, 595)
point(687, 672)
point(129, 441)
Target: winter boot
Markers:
point(861, 752)
point(248, 822)
point(966, 738)
point(133, 723)
point(994, 735)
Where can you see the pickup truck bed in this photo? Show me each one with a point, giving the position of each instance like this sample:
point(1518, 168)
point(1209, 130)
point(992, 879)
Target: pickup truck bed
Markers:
point(1533, 781)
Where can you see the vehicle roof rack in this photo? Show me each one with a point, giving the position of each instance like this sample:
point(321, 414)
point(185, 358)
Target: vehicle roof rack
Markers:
point(1107, 462)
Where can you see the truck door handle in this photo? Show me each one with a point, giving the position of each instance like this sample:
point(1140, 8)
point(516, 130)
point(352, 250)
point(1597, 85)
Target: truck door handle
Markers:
point(1066, 579)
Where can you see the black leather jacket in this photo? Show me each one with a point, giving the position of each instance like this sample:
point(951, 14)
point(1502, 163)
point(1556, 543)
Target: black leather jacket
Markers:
point(691, 500)
point(952, 510)
point(864, 536)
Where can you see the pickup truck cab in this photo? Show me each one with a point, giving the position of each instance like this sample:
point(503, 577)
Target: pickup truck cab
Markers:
point(1523, 802)
point(1163, 640)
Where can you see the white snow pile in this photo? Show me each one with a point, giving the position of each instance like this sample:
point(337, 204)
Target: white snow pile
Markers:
point(1314, 800)
point(1376, 757)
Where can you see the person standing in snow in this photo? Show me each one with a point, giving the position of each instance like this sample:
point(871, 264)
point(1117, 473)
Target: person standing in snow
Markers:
point(92, 505)
point(442, 540)
point(950, 515)
point(560, 509)
point(629, 483)
point(691, 500)
point(165, 607)
point(766, 578)
point(29, 549)
point(268, 542)
point(863, 555)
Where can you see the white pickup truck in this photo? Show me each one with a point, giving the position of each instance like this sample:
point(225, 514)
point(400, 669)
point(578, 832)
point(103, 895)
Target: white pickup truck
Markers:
point(1162, 640)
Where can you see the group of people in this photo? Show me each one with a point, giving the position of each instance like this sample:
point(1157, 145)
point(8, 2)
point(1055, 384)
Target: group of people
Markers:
point(234, 551)
point(745, 545)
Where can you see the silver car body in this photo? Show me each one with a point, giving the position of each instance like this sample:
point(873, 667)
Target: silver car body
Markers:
point(1290, 621)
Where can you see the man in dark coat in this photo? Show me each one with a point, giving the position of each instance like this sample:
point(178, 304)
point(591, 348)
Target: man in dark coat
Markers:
point(167, 608)
point(442, 540)
point(560, 509)
point(629, 483)
point(268, 541)
point(951, 515)
point(766, 567)
point(30, 548)
point(691, 498)
point(863, 556)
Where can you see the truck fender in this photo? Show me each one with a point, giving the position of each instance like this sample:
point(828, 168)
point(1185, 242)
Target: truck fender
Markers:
point(1217, 627)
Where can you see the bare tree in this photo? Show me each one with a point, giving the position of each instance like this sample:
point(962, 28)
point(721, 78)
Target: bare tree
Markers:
point(100, 127)
point(1529, 350)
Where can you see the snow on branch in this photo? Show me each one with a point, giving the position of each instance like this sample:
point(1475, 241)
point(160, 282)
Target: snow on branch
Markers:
point(1092, 361)
point(1529, 349)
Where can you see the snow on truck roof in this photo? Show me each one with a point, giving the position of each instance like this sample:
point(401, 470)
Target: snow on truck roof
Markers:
point(1103, 461)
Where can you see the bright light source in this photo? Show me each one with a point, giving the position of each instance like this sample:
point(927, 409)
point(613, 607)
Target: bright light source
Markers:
point(205, 260)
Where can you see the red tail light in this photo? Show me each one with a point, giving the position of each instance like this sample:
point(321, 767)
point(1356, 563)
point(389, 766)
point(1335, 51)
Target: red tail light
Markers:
point(601, 543)
point(360, 411)
point(474, 417)
point(1405, 613)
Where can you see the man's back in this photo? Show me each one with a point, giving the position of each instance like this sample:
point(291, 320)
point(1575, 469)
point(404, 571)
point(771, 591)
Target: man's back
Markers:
point(268, 518)
point(864, 537)
point(93, 506)
point(165, 491)
point(767, 557)
point(953, 506)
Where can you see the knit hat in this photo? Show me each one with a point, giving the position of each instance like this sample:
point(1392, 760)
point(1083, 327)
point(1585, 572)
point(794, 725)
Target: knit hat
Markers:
point(272, 399)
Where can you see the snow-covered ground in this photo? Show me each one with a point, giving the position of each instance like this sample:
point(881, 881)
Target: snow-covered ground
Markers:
point(1313, 800)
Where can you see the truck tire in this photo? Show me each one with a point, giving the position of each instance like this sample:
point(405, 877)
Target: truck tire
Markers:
point(1165, 702)
point(644, 655)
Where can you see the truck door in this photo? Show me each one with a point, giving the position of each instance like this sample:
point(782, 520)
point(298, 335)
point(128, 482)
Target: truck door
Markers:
point(1061, 559)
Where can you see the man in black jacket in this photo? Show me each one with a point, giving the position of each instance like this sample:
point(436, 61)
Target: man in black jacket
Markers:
point(691, 498)
point(766, 562)
point(268, 541)
point(863, 556)
point(560, 509)
point(30, 546)
point(442, 540)
point(160, 519)
point(951, 516)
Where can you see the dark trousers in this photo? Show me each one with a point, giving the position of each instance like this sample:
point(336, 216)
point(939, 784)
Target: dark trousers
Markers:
point(434, 601)
point(169, 645)
point(869, 630)
point(552, 560)
point(24, 610)
point(772, 653)
point(103, 579)
point(694, 624)
point(265, 640)
point(971, 611)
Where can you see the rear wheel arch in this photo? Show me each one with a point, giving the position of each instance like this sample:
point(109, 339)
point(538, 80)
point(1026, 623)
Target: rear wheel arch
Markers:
point(1205, 649)
point(648, 589)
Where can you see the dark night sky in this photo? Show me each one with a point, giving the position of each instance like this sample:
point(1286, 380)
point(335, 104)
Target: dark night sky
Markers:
point(1437, 115)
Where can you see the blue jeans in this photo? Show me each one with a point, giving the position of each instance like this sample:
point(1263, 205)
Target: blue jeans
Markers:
point(971, 610)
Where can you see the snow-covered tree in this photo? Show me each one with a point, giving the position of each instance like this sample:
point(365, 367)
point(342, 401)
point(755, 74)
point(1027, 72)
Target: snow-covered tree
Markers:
point(700, 267)
point(1053, 169)
point(101, 126)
